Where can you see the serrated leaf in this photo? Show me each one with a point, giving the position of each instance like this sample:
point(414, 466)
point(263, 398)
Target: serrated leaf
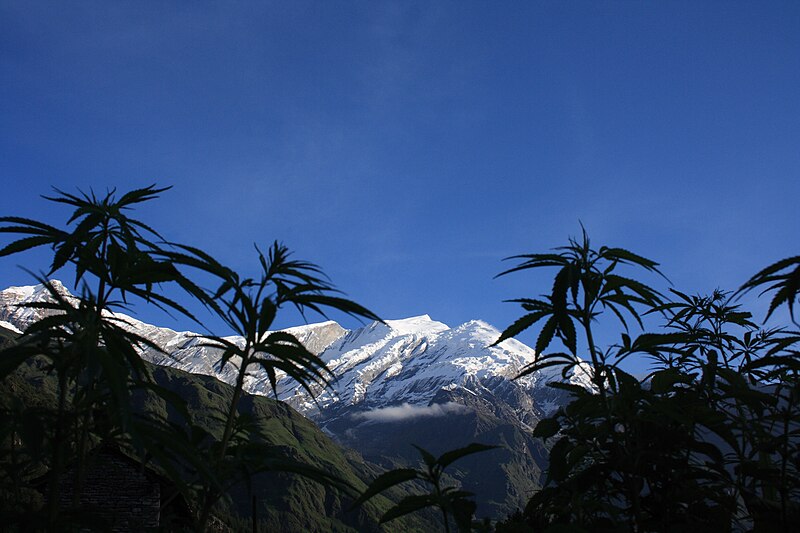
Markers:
point(409, 504)
point(519, 326)
point(27, 243)
point(568, 334)
point(453, 455)
point(427, 456)
point(546, 334)
point(385, 481)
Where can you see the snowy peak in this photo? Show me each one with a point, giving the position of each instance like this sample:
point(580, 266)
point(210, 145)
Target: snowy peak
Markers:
point(421, 325)
point(405, 361)
point(33, 293)
point(378, 334)
point(317, 337)
point(410, 361)
point(13, 300)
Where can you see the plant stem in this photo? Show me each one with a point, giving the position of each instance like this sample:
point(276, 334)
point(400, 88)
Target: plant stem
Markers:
point(211, 494)
point(58, 448)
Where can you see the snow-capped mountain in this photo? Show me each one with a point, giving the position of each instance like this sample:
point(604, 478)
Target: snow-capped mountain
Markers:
point(398, 362)
point(402, 382)
point(410, 361)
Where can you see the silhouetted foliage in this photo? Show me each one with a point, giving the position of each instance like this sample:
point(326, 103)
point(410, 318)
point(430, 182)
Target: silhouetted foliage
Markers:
point(451, 501)
point(710, 439)
point(96, 357)
point(783, 280)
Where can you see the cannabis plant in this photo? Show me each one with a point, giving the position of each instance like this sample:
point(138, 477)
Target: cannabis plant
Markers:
point(96, 356)
point(92, 352)
point(249, 307)
point(707, 440)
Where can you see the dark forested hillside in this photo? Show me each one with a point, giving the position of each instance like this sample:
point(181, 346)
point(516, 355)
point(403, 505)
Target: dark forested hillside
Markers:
point(285, 502)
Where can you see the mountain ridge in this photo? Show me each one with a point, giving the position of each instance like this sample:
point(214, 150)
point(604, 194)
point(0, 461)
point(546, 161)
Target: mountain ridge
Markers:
point(397, 383)
point(403, 360)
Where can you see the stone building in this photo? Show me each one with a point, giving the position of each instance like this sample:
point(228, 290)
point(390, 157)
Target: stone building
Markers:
point(119, 493)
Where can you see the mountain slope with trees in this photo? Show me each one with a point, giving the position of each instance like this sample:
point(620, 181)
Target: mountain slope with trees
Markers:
point(285, 502)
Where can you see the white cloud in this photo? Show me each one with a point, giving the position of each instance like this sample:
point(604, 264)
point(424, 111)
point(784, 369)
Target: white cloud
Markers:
point(407, 411)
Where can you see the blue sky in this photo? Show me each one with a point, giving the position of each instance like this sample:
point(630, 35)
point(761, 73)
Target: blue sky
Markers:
point(408, 147)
